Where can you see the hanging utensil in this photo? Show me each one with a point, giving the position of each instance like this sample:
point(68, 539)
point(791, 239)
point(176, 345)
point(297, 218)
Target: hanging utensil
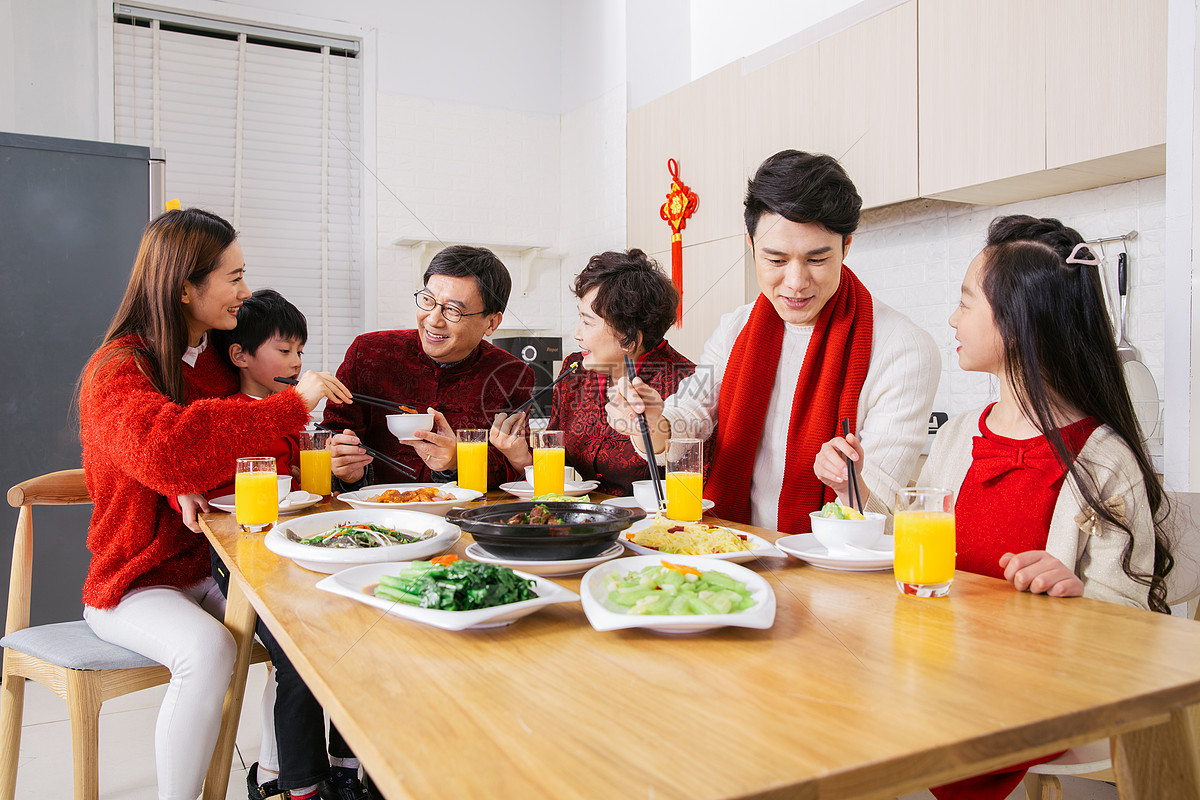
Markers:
point(1143, 391)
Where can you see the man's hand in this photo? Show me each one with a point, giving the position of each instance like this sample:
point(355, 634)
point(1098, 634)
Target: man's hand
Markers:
point(625, 401)
point(510, 436)
point(1039, 572)
point(438, 448)
point(192, 505)
point(347, 460)
point(830, 467)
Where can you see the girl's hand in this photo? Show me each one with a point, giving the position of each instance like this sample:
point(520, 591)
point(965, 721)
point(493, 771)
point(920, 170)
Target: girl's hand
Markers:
point(1039, 572)
point(314, 386)
point(347, 459)
point(192, 505)
point(830, 467)
point(438, 448)
point(510, 436)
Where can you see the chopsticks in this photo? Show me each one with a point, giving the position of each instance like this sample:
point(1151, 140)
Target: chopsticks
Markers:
point(570, 370)
point(387, 405)
point(403, 469)
point(647, 442)
point(855, 495)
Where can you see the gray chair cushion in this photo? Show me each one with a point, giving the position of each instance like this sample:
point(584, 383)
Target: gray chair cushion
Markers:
point(74, 646)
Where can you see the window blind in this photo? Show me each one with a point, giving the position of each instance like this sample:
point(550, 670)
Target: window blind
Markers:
point(262, 132)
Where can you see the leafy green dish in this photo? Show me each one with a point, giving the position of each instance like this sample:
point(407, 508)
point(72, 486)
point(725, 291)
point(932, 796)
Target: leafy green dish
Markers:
point(456, 586)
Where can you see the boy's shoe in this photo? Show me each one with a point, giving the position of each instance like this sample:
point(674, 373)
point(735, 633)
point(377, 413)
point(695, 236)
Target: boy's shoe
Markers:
point(355, 791)
point(257, 791)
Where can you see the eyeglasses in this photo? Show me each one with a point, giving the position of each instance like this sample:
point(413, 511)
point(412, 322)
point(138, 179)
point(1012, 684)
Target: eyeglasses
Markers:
point(427, 302)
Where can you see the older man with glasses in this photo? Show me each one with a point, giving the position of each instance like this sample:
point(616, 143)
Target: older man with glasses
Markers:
point(443, 365)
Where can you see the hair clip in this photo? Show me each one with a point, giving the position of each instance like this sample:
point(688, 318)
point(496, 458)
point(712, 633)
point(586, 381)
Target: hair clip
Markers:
point(1074, 258)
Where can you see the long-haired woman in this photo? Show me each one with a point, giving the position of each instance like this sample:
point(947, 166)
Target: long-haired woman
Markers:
point(155, 423)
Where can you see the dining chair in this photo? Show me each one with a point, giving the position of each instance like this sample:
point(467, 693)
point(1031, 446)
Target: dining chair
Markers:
point(65, 657)
point(1093, 760)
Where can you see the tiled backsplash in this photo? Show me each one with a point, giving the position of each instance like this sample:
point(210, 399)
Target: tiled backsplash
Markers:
point(913, 256)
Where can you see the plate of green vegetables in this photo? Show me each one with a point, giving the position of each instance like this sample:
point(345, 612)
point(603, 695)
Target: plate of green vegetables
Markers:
point(447, 592)
point(334, 540)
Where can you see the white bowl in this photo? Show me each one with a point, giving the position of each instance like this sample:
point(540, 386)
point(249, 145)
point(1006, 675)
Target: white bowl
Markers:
point(844, 535)
point(569, 474)
point(405, 426)
point(643, 492)
point(284, 486)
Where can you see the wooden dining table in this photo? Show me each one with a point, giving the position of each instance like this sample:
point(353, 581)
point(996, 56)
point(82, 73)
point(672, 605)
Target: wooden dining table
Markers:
point(856, 691)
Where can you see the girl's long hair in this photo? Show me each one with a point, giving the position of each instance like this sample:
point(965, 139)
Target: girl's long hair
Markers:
point(1059, 346)
point(180, 245)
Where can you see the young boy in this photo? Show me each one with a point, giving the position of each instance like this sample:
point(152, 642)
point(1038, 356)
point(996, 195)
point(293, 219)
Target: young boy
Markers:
point(267, 343)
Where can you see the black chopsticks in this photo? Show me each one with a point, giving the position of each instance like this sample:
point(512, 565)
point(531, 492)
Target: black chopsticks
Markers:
point(403, 469)
point(387, 405)
point(855, 494)
point(647, 442)
point(568, 371)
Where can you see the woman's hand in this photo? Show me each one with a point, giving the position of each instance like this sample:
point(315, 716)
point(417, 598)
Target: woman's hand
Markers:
point(830, 467)
point(510, 436)
point(438, 448)
point(347, 460)
point(625, 401)
point(191, 505)
point(1039, 572)
point(313, 386)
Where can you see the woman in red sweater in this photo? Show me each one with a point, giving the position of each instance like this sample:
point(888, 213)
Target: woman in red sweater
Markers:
point(155, 423)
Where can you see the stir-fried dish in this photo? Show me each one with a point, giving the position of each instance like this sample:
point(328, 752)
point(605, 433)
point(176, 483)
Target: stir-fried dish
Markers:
point(689, 539)
point(425, 494)
point(677, 589)
point(363, 534)
point(452, 585)
point(538, 515)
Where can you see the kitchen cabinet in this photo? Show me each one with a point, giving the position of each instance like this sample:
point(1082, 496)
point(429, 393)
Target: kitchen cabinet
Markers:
point(1021, 99)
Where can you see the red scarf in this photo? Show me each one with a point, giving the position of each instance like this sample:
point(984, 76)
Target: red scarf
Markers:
point(831, 379)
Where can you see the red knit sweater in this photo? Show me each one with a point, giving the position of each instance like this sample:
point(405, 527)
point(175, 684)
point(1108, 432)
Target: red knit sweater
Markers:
point(139, 448)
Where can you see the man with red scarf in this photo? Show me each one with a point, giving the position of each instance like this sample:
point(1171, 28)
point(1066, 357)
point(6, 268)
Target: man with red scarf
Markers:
point(781, 373)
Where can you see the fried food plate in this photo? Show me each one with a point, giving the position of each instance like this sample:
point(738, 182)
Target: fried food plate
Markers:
point(360, 497)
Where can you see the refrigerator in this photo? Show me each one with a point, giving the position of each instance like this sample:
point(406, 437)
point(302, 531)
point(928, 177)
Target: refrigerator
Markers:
point(71, 217)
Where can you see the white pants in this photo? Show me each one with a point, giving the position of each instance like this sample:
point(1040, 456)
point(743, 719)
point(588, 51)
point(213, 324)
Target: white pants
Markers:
point(181, 629)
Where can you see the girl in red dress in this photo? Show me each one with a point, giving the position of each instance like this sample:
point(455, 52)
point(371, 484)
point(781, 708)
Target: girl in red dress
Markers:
point(156, 421)
point(1055, 491)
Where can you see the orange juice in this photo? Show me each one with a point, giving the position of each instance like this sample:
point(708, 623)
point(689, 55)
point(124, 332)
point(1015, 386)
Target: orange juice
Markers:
point(685, 490)
point(315, 469)
point(256, 497)
point(924, 549)
point(549, 470)
point(473, 465)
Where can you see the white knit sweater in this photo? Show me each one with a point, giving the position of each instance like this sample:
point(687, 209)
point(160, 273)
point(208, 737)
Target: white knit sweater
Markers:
point(893, 407)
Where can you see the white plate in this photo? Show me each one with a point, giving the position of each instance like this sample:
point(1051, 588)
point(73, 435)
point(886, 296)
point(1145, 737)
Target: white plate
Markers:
point(523, 490)
point(329, 559)
point(358, 499)
point(805, 547)
point(546, 568)
point(759, 547)
point(294, 502)
point(606, 616)
point(354, 582)
point(631, 502)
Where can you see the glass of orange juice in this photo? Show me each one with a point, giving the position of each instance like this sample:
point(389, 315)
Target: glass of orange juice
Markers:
point(256, 494)
point(685, 479)
point(924, 529)
point(316, 462)
point(549, 463)
point(472, 459)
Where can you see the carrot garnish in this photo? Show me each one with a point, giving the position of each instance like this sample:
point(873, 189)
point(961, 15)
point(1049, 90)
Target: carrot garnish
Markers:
point(446, 560)
point(682, 568)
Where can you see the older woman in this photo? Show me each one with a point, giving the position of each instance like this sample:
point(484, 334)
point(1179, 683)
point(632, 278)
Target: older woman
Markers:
point(626, 306)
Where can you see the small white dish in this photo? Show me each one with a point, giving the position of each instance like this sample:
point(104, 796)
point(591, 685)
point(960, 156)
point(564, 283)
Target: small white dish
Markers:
point(805, 547)
point(846, 535)
point(403, 426)
point(759, 547)
point(545, 568)
point(330, 559)
point(295, 501)
point(606, 616)
point(358, 499)
point(632, 502)
point(358, 582)
point(524, 490)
